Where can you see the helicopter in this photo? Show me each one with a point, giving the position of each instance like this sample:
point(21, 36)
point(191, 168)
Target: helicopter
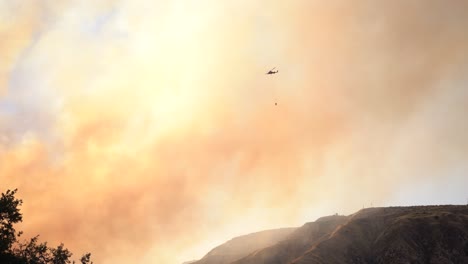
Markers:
point(272, 71)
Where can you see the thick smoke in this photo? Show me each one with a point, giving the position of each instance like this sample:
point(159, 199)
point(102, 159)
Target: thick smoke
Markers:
point(147, 131)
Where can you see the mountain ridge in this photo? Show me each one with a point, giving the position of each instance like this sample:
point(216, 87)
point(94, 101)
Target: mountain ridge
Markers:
point(241, 246)
point(399, 234)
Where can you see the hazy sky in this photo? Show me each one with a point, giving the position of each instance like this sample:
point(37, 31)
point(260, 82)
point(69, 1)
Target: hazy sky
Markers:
point(146, 131)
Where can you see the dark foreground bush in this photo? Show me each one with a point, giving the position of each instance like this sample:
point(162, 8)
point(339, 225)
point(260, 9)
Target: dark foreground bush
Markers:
point(13, 251)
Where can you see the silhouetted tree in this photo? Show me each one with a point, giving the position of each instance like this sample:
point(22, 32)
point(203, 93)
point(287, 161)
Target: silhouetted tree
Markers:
point(13, 251)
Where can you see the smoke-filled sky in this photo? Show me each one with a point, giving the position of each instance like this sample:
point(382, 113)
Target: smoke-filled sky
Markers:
point(147, 131)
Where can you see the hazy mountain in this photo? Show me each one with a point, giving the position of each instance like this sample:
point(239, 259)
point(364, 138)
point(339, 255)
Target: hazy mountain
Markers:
point(239, 247)
point(297, 243)
point(421, 234)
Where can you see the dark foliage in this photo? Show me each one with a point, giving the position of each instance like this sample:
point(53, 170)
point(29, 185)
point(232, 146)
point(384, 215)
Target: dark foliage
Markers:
point(12, 251)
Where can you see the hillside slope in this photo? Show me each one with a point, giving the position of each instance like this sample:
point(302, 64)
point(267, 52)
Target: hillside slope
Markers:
point(425, 234)
point(297, 243)
point(239, 247)
point(419, 234)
